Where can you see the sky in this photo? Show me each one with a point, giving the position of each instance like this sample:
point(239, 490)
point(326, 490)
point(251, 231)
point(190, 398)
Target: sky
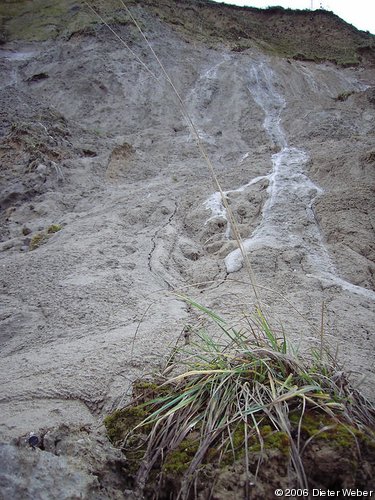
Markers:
point(360, 13)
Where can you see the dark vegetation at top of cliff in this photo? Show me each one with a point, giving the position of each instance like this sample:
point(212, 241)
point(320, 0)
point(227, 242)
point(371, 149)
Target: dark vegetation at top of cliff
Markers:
point(301, 34)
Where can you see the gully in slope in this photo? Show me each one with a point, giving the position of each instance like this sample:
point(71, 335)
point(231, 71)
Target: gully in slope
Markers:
point(287, 219)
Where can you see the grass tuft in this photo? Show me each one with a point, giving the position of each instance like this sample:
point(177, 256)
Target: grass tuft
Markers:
point(42, 237)
point(54, 228)
point(241, 394)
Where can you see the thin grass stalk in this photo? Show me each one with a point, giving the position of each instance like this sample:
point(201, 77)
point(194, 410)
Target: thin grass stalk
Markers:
point(247, 464)
point(261, 443)
point(197, 460)
point(322, 332)
point(139, 60)
point(202, 150)
point(299, 428)
point(283, 412)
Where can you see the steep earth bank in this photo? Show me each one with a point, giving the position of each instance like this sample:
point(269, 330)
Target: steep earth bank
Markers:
point(107, 205)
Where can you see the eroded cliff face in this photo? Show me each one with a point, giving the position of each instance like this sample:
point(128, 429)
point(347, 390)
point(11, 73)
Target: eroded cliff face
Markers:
point(108, 206)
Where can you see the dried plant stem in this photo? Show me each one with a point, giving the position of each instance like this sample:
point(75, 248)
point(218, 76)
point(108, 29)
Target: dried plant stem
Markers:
point(195, 133)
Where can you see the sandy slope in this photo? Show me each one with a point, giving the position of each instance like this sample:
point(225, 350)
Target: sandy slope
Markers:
point(100, 148)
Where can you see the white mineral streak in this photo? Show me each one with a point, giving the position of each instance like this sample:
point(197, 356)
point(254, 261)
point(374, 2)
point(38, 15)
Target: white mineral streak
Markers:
point(290, 191)
point(288, 219)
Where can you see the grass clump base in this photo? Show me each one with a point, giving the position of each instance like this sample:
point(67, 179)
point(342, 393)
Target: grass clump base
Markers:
point(54, 228)
point(42, 237)
point(37, 240)
point(245, 417)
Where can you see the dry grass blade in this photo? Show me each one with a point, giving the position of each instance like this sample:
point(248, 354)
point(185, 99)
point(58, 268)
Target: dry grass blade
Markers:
point(238, 400)
point(195, 133)
point(242, 392)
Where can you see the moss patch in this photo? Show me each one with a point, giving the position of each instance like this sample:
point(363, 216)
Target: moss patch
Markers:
point(121, 431)
point(321, 429)
point(41, 20)
point(37, 240)
point(344, 96)
point(179, 460)
point(54, 228)
point(43, 236)
point(121, 422)
point(277, 440)
point(323, 437)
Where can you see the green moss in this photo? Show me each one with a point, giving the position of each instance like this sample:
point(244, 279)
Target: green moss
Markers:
point(122, 425)
point(323, 428)
point(141, 386)
point(37, 240)
point(272, 440)
point(213, 457)
point(41, 20)
point(121, 431)
point(178, 460)
point(146, 390)
point(340, 436)
point(278, 441)
point(344, 95)
point(42, 237)
point(236, 446)
point(54, 228)
point(121, 422)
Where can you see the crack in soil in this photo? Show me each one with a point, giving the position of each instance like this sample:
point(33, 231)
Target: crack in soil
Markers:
point(154, 239)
